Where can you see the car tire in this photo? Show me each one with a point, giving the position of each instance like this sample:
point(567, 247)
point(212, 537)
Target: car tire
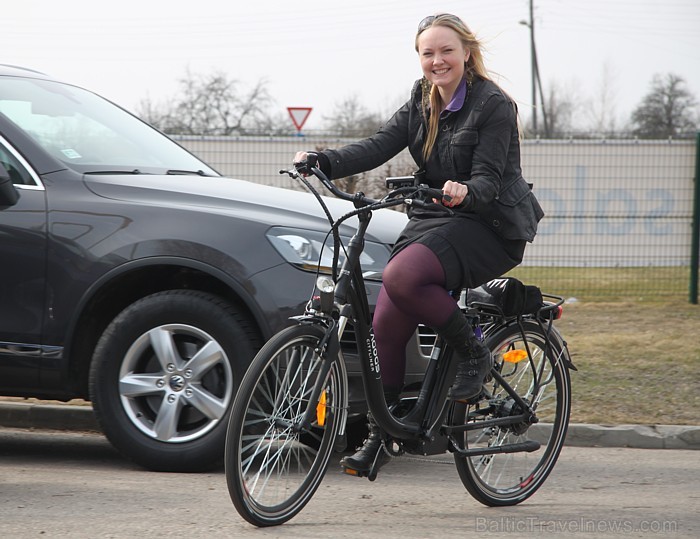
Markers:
point(163, 377)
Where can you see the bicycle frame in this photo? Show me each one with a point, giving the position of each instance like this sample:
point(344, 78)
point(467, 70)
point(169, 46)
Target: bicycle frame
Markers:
point(424, 420)
point(351, 284)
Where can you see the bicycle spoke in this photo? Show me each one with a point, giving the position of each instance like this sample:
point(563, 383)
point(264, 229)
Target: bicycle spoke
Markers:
point(541, 380)
point(273, 466)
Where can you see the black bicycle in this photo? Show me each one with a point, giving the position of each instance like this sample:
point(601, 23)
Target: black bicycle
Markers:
point(290, 412)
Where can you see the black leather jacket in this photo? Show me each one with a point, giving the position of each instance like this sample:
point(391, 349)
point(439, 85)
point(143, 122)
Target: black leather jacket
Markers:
point(477, 145)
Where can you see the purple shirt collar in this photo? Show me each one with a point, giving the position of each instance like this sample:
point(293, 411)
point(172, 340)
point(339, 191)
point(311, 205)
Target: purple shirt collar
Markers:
point(458, 98)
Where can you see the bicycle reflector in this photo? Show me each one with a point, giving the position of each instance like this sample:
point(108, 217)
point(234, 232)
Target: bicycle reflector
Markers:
point(321, 409)
point(557, 312)
point(514, 356)
point(550, 312)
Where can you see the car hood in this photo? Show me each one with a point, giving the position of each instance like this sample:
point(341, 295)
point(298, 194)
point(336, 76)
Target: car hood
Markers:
point(244, 199)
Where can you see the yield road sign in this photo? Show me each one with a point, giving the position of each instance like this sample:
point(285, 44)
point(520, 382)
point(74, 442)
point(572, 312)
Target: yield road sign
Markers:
point(299, 115)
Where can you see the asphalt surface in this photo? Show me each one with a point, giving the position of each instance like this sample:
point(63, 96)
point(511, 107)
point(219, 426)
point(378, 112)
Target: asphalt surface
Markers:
point(75, 485)
point(81, 418)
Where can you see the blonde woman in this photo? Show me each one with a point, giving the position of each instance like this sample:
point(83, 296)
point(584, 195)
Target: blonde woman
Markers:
point(461, 130)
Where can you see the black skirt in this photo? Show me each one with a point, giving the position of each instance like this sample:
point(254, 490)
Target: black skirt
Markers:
point(470, 252)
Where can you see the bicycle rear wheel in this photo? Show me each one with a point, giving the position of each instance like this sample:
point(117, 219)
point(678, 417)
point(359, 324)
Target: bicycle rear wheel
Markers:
point(273, 469)
point(509, 478)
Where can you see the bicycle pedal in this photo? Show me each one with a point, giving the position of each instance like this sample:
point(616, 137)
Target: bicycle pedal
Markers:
point(355, 473)
point(369, 474)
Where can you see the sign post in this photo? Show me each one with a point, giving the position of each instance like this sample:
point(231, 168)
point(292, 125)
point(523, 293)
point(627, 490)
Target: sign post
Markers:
point(299, 116)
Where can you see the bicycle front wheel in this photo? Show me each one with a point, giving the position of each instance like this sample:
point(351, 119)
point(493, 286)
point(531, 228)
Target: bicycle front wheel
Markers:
point(272, 467)
point(538, 373)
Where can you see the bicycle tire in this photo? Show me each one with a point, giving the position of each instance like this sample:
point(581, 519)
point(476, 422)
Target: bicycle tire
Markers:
point(509, 478)
point(272, 471)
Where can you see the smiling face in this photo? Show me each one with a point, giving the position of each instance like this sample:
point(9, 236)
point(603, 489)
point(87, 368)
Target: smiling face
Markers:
point(442, 58)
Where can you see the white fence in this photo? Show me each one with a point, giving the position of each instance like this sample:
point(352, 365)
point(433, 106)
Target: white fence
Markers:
point(608, 203)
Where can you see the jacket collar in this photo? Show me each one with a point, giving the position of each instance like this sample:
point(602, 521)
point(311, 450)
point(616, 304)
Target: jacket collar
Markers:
point(458, 98)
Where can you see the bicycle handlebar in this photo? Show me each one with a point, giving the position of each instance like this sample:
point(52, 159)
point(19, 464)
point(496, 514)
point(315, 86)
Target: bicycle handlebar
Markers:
point(402, 195)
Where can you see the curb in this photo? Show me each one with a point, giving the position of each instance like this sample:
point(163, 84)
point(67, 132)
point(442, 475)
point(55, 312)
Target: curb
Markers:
point(81, 418)
point(23, 415)
point(637, 436)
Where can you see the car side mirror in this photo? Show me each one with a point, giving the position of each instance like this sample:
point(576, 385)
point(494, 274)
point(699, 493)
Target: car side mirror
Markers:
point(9, 195)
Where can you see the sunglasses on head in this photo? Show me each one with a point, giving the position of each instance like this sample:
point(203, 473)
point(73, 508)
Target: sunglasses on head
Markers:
point(430, 19)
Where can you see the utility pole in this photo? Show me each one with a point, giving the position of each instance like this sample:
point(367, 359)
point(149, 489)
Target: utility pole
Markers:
point(533, 67)
point(535, 74)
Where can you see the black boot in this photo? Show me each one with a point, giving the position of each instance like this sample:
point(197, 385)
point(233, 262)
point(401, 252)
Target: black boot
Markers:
point(475, 359)
point(372, 450)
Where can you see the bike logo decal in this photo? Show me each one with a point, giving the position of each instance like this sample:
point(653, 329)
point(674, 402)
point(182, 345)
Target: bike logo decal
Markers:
point(371, 345)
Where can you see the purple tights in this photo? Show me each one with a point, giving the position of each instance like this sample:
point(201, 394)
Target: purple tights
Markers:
point(413, 292)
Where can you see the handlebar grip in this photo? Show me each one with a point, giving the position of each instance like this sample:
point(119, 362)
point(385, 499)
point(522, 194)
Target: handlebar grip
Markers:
point(437, 194)
point(305, 166)
point(432, 205)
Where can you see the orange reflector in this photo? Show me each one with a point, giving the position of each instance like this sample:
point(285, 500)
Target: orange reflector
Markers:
point(350, 471)
point(514, 356)
point(321, 410)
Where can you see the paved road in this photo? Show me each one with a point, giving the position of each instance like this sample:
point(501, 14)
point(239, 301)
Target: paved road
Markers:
point(57, 484)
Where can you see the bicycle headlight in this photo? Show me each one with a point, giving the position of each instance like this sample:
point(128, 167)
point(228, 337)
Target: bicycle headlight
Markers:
point(305, 249)
point(326, 289)
point(325, 285)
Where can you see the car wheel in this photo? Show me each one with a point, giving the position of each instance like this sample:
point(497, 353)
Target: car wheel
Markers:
point(163, 377)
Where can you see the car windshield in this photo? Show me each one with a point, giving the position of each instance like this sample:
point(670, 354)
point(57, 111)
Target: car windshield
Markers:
point(90, 134)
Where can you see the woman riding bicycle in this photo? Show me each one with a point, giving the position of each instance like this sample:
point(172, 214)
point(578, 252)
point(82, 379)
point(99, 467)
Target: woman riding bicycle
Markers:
point(461, 130)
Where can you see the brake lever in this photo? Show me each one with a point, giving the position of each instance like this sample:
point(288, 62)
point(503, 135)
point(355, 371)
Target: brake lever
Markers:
point(429, 205)
point(437, 205)
point(437, 194)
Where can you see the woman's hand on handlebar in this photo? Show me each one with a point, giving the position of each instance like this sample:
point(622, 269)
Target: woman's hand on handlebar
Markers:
point(454, 194)
point(304, 161)
point(300, 157)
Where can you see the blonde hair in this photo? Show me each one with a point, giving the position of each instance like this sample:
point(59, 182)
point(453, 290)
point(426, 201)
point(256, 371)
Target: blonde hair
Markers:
point(474, 67)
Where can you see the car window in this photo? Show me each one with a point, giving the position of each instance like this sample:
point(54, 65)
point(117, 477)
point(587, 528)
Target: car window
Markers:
point(18, 173)
point(88, 133)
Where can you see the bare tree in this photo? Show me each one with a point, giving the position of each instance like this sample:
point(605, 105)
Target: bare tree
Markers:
point(668, 110)
point(212, 104)
point(349, 118)
point(601, 111)
point(274, 123)
point(561, 109)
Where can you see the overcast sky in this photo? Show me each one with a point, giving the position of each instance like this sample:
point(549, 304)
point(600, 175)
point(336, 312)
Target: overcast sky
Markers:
point(314, 53)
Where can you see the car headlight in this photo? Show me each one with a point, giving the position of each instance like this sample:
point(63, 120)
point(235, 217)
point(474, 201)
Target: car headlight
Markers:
point(306, 250)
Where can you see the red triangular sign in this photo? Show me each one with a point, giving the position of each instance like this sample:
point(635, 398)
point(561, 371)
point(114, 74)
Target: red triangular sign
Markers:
point(299, 115)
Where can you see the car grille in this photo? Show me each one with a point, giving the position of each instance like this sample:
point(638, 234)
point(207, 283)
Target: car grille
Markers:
point(426, 339)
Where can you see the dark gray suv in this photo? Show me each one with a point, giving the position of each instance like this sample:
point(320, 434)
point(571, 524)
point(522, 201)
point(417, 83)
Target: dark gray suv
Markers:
point(135, 276)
